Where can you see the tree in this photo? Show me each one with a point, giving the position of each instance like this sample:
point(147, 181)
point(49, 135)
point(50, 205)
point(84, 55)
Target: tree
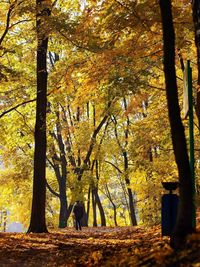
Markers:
point(184, 220)
point(97, 65)
point(196, 20)
point(196, 17)
point(38, 222)
point(124, 152)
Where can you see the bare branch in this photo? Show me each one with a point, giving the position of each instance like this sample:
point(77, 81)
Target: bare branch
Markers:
point(15, 107)
point(7, 23)
point(23, 103)
point(51, 190)
point(114, 166)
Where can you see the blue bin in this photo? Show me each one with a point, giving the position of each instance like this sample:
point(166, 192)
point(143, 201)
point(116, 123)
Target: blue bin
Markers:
point(169, 213)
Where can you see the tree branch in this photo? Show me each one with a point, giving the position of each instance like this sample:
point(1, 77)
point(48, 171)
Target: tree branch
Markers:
point(15, 107)
point(21, 104)
point(52, 191)
point(114, 166)
point(7, 23)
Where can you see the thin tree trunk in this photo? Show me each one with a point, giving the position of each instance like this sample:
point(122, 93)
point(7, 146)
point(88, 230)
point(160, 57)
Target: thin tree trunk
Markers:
point(88, 204)
point(63, 178)
point(84, 219)
point(5, 218)
point(122, 184)
point(94, 209)
point(113, 204)
point(196, 20)
point(197, 108)
point(69, 210)
point(63, 204)
point(184, 224)
point(131, 207)
point(101, 211)
point(130, 194)
point(98, 201)
point(126, 163)
point(115, 213)
point(38, 221)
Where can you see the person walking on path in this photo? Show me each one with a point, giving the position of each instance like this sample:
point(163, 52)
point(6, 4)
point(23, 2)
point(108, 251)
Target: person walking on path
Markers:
point(78, 214)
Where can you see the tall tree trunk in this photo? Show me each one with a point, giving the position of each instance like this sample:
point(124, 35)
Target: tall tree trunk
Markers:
point(69, 210)
point(196, 20)
point(98, 201)
point(63, 204)
point(101, 211)
point(130, 194)
point(63, 177)
point(88, 204)
point(84, 218)
point(126, 163)
point(94, 207)
point(38, 222)
point(115, 213)
point(197, 108)
point(123, 148)
point(113, 204)
point(131, 207)
point(184, 224)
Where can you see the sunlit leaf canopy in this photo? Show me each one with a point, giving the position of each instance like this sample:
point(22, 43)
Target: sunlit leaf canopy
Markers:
point(101, 55)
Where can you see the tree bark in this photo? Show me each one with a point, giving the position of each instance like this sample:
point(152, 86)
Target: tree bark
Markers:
point(98, 201)
point(94, 207)
point(196, 20)
point(184, 220)
point(123, 148)
point(63, 204)
point(197, 108)
point(84, 219)
point(88, 204)
point(63, 178)
point(38, 221)
point(101, 211)
point(115, 213)
point(69, 210)
point(131, 207)
point(113, 204)
point(130, 194)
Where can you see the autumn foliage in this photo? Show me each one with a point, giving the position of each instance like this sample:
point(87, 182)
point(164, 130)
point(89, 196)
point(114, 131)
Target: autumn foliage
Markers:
point(103, 117)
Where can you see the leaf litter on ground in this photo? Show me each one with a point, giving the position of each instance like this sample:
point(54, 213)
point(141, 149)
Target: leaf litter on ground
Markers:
point(97, 246)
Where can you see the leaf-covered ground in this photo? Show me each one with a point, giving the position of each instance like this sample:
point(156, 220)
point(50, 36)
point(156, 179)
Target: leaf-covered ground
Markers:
point(103, 246)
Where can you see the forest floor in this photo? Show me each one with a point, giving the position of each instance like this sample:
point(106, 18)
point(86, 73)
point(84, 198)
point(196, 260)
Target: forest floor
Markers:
point(103, 246)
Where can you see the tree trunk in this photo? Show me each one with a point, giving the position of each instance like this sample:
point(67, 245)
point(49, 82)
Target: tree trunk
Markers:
point(69, 210)
point(84, 219)
point(196, 20)
point(115, 213)
point(130, 194)
point(63, 178)
point(101, 211)
point(184, 224)
point(94, 207)
point(113, 204)
point(63, 213)
point(88, 204)
point(38, 222)
point(63, 204)
point(131, 207)
point(126, 166)
point(197, 108)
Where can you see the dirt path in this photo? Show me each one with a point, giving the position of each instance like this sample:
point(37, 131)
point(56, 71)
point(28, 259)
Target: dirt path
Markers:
point(119, 246)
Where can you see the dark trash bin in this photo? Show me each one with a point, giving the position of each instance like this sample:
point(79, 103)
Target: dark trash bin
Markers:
point(169, 209)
